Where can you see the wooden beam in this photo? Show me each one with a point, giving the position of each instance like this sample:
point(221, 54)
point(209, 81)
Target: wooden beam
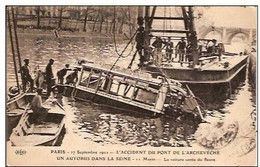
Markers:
point(89, 77)
point(186, 21)
point(12, 48)
point(171, 31)
point(169, 18)
point(152, 16)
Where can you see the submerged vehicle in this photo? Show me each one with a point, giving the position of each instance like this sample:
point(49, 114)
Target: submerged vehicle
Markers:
point(29, 133)
point(132, 93)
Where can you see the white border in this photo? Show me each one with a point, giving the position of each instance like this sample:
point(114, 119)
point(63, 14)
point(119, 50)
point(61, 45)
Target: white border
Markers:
point(88, 2)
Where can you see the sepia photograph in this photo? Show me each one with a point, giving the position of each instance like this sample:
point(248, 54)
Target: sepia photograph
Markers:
point(131, 85)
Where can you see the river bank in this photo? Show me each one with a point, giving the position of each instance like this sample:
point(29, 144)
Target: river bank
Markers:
point(70, 34)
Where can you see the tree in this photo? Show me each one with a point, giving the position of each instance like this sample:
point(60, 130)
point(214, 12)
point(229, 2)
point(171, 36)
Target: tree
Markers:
point(60, 19)
point(37, 11)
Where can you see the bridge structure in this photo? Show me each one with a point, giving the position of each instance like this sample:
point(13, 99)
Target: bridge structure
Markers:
point(226, 34)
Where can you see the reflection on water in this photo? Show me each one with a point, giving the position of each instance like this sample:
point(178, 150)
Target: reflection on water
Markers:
point(104, 125)
point(99, 124)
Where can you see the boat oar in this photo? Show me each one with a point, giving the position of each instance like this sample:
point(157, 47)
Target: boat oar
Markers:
point(58, 104)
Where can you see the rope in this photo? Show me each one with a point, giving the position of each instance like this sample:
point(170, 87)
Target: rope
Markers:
point(164, 14)
point(114, 38)
point(121, 55)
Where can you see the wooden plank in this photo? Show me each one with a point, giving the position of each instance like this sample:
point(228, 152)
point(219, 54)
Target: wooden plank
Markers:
point(132, 96)
point(152, 16)
point(89, 77)
point(169, 18)
point(171, 31)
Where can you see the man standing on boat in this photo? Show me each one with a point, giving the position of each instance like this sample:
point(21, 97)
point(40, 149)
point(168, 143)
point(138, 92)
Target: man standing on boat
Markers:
point(157, 44)
point(211, 47)
point(62, 73)
point(140, 44)
point(181, 49)
point(39, 111)
point(49, 76)
point(72, 78)
point(26, 77)
point(169, 49)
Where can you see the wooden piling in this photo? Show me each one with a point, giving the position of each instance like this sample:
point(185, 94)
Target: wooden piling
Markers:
point(16, 38)
point(12, 47)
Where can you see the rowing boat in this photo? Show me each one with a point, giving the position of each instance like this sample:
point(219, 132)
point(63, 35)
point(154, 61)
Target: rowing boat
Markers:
point(28, 133)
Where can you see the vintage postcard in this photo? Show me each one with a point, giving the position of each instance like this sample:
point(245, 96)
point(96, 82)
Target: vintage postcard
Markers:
point(131, 85)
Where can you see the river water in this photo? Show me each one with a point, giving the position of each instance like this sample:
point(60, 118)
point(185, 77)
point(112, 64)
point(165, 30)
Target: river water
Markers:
point(99, 124)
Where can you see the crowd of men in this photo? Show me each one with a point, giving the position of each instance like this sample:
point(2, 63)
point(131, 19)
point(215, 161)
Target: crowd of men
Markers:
point(46, 77)
point(182, 50)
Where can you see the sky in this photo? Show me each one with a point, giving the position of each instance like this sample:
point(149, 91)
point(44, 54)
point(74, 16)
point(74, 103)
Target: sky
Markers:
point(241, 17)
point(221, 16)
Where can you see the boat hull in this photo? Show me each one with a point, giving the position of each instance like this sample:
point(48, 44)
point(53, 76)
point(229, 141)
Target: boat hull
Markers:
point(209, 85)
point(30, 133)
point(201, 76)
point(252, 67)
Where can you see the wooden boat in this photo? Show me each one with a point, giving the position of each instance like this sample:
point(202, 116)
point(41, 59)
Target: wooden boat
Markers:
point(252, 67)
point(116, 89)
point(16, 105)
point(15, 108)
point(27, 133)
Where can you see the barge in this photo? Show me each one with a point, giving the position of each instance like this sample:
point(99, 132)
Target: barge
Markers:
point(205, 63)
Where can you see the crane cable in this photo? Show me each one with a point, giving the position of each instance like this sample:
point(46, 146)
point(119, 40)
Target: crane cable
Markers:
point(115, 43)
point(121, 54)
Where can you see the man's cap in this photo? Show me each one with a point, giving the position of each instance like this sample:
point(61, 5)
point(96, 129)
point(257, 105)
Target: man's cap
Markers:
point(51, 60)
point(26, 60)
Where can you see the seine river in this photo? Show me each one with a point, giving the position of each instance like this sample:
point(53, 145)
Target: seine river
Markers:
point(99, 124)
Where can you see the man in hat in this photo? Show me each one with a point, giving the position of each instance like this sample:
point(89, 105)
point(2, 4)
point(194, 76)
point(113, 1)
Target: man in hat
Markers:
point(61, 73)
point(49, 76)
point(180, 47)
point(71, 78)
point(211, 47)
point(169, 49)
point(157, 44)
point(25, 74)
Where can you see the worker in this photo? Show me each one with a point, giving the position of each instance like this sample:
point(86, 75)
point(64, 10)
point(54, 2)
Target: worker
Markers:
point(157, 44)
point(39, 112)
point(140, 45)
point(181, 49)
point(39, 77)
point(211, 47)
point(62, 73)
point(169, 49)
point(26, 76)
point(72, 78)
point(49, 77)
